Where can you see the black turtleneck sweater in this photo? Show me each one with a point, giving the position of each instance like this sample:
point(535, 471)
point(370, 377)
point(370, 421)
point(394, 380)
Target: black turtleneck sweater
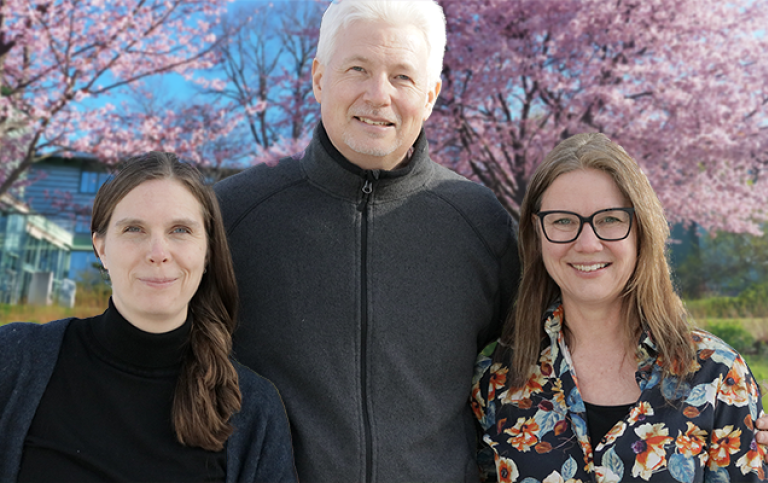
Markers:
point(106, 413)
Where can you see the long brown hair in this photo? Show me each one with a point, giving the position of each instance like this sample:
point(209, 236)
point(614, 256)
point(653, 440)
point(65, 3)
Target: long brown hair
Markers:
point(650, 302)
point(207, 391)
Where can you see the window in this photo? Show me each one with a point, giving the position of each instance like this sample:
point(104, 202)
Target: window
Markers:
point(82, 224)
point(90, 181)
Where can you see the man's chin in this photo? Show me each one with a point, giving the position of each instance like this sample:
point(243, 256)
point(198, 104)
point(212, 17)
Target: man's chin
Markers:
point(368, 148)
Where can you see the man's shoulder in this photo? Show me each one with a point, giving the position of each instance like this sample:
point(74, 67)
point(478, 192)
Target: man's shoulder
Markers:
point(255, 180)
point(475, 202)
point(241, 192)
point(456, 187)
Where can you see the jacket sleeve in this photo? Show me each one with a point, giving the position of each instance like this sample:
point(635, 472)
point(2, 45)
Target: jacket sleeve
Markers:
point(276, 460)
point(260, 449)
point(508, 281)
point(483, 410)
point(29, 353)
point(733, 452)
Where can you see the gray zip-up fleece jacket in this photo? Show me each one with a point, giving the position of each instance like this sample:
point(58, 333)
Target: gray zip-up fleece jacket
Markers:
point(366, 296)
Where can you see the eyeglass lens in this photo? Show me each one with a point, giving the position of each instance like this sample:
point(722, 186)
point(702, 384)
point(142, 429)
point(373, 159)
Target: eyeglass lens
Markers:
point(608, 225)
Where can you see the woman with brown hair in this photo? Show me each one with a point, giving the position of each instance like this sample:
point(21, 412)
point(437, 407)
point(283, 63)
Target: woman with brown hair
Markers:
point(598, 375)
point(147, 391)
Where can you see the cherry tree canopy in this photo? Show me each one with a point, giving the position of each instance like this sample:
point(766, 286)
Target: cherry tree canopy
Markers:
point(682, 86)
point(58, 55)
point(266, 69)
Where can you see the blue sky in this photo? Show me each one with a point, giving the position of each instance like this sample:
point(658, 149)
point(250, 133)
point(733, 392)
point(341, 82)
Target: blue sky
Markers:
point(173, 87)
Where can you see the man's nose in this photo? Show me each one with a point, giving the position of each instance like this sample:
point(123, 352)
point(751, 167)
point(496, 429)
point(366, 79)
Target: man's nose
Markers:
point(378, 91)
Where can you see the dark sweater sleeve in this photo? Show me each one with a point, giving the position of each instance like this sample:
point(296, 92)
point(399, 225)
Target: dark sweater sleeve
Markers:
point(509, 281)
point(260, 449)
point(29, 353)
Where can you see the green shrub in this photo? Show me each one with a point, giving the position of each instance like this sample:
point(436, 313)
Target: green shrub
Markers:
point(756, 299)
point(733, 333)
point(752, 302)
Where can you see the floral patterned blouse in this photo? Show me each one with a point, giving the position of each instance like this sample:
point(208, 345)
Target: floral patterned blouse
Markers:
point(538, 433)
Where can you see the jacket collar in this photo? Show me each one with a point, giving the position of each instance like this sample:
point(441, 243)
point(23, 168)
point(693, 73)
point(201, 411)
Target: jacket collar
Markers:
point(326, 167)
point(647, 351)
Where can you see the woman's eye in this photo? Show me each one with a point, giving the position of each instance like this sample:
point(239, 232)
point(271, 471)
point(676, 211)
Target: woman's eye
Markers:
point(562, 221)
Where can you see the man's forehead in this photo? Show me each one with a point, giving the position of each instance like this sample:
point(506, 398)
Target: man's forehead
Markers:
point(400, 46)
point(401, 62)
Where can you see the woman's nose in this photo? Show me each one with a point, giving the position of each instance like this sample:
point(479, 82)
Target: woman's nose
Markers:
point(588, 240)
point(158, 250)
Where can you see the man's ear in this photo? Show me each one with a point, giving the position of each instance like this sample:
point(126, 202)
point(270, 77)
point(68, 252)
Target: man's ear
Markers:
point(431, 99)
point(317, 75)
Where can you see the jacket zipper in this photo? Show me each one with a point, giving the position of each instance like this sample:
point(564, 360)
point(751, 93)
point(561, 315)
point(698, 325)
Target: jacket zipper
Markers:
point(368, 185)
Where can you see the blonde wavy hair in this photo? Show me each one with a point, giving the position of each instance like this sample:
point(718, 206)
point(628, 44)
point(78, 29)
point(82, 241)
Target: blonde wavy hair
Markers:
point(649, 300)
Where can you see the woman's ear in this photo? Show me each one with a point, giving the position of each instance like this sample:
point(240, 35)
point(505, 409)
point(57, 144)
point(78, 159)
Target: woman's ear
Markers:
point(98, 247)
point(536, 225)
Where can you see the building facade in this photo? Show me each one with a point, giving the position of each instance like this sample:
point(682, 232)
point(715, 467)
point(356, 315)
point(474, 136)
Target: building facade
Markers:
point(30, 246)
point(62, 190)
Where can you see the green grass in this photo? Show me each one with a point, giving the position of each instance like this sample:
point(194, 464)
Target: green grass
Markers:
point(30, 313)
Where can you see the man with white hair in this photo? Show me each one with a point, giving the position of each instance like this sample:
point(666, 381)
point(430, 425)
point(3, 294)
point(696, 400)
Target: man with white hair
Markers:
point(370, 276)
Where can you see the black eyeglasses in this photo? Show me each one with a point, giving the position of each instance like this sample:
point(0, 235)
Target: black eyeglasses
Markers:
point(612, 224)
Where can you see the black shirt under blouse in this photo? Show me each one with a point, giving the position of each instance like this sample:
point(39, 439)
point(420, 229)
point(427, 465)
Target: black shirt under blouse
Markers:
point(600, 419)
point(106, 412)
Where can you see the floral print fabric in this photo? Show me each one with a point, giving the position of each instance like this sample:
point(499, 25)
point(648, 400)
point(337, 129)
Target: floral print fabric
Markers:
point(538, 433)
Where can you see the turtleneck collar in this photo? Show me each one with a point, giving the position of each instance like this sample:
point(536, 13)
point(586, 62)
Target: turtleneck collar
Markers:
point(327, 167)
point(127, 344)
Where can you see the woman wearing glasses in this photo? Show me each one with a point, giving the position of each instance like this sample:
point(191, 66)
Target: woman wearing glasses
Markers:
point(597, 375)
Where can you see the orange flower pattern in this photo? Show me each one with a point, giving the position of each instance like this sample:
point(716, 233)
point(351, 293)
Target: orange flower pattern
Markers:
point(650, 449)
point(692, 442)
point(725, 442)
point(523, 434)
point(696, 430)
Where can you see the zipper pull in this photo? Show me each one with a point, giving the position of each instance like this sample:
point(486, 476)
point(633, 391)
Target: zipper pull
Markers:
point(370, 177)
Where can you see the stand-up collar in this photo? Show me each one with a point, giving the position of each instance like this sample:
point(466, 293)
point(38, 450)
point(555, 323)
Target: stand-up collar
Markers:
point(130, 345)
point(326, 166)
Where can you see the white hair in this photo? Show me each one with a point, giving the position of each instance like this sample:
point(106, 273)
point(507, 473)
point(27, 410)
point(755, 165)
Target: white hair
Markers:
point(425, 15)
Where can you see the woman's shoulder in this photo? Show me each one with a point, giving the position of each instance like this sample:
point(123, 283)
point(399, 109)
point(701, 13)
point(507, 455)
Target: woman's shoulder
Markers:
point(29, 351)
point(18, 334)
point(256, 389)
point(710, 348)
point(486, 358)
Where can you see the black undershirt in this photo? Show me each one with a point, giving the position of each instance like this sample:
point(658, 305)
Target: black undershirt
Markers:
point(106, 412)
point(600, 419)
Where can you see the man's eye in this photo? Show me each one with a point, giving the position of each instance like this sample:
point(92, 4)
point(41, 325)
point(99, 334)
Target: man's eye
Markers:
point(403, 77)
point(181, 230)
point(132, 229)
point(357, 68)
